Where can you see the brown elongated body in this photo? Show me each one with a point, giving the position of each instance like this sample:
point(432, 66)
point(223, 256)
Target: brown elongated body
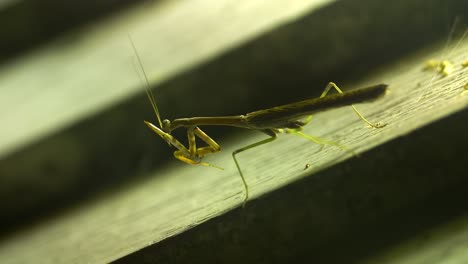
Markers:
point(285, 116)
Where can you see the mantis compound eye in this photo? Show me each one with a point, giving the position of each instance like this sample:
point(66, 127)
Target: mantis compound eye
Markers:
point(166, 124)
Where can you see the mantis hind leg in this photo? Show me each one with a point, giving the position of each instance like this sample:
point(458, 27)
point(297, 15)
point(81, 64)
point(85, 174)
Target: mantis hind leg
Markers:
point(273, 136)
point(333, 85)
point(322, 141)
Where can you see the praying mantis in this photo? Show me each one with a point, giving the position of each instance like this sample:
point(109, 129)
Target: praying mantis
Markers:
point(272, 121)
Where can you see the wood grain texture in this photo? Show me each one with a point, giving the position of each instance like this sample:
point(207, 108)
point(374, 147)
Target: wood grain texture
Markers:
point(179, 197)
point(183, 196)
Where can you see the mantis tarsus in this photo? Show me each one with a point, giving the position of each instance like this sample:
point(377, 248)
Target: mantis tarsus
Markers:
point(272, 121)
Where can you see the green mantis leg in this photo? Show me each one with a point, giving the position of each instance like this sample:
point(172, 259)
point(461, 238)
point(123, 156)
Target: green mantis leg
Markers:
point(322, 141)
point(333, 85)
point(196, 154)
point(212, 147)
point(192, 154)
point(273, 136)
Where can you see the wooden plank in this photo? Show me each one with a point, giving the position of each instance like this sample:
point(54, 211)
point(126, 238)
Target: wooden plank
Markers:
point(179, 197)
point(184, 196)
point(365, 208)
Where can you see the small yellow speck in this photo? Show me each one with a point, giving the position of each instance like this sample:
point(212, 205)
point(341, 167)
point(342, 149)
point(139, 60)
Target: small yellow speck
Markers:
point(444, 67)
point(447, 67)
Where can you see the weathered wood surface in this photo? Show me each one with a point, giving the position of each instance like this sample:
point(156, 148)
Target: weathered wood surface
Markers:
point(186, 196)
point(179, 196)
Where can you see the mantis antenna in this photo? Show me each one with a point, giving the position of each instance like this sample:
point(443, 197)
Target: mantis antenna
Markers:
point(149, 93)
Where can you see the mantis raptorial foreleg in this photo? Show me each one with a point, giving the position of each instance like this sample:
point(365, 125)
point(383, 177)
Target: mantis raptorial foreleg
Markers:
point(196, 154)
point(212, 145)
point(192, 154)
